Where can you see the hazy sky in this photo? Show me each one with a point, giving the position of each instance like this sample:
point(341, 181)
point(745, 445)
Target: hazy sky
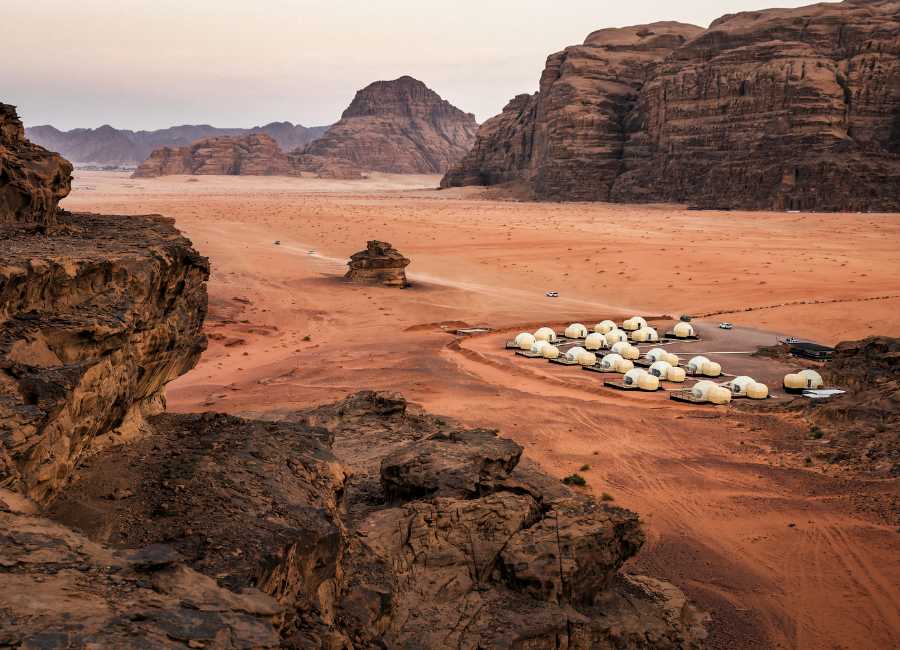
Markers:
point(155, 63)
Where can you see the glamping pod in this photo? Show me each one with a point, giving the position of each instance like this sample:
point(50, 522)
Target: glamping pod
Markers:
point(586, 358)
point(757, 390)
point(648, 382)
point(572, 353)
point(794, 382)
point(604, 326)
point(524, 341)
point(683, 330)
point(660, 369)
point(656, 354)
point(614, 336)
point(627, 350)
point(719, 395)
point(812, 378)
point(610, 360)
point(538, 347)
point(595, 341)
point(634, 323)
point(623, 366)
point(576, 331)
point(672, 359)
point(676, 374)
point(695, 365)
point(545, 334)
point(631, 377)
point(701, 389)
point(711, 392)
point(711, 369)
point(550, 352)
point(646, 335)
point(739, 385)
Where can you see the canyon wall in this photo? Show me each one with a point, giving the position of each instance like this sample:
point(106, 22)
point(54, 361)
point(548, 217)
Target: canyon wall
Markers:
point(399, 126)
point(32, 180)
point(251, 155)
point(776, 109)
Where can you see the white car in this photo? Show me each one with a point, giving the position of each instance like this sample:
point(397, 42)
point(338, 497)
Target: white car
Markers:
point(726, 326)
point(552, 294)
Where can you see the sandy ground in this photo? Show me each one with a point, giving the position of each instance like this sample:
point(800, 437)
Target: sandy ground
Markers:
point(783, 555)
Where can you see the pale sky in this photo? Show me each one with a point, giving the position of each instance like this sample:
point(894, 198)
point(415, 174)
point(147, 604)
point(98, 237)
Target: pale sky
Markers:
point(146, 64)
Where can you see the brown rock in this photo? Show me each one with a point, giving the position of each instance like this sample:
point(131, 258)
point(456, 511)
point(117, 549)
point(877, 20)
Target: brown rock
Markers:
point(776, 109)
point(398, 126)
point(255, 154)
point(77, 363)
point(32, 179)
point(380, 263)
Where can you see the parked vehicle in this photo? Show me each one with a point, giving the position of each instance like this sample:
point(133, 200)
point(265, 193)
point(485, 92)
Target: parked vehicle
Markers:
point(552, 294)
point(726, 326)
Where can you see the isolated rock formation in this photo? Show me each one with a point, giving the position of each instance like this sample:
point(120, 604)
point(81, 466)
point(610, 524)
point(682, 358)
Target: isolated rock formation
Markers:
point(776, 109)
point(94, 321)
point(399, 126)
point(252, 155)
point(106, 145)
point(32, 179)
point(300, 509)
point(380, 264)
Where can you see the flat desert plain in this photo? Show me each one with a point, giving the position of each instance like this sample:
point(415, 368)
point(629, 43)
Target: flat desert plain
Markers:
point(782, 553)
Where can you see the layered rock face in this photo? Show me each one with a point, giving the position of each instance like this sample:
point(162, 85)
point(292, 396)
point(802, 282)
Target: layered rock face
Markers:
point(94, 321)
point(256, 154)
point(776, 109)
point(399, 126)
point(107, 145)
point(32, 179)
point(374, 524)
point(380, 264)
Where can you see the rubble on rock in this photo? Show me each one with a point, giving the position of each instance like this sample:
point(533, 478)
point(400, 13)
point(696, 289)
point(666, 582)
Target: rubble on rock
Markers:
point(380, 264)
point(771, 110)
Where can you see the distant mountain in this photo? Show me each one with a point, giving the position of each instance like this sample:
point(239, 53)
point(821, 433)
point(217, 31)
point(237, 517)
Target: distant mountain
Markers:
point(110, 146)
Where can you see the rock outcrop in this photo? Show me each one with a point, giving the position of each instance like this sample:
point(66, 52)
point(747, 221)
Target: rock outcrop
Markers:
point(325, 512)
point(398, 126)
point(252, 155)
point(776, 109)
point(32, 180)
point(380, 264)
point(107, 145)
point(94, 321)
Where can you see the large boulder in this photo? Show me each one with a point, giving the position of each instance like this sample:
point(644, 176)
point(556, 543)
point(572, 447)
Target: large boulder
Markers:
point(380, 264)
point(32, 180)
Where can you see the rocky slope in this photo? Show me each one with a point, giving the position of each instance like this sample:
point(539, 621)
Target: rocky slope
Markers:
point(32, 179)
point(775, 109)
point(380, 264)
point(398, 126)
point(110, 146)
point(374, 524)
point(252, 155)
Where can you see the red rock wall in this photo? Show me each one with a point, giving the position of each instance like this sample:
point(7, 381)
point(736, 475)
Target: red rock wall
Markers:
point(256, 154)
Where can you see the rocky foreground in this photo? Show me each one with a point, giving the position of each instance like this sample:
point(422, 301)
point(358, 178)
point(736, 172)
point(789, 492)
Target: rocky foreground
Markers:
point(362, 524)
point(771, 110)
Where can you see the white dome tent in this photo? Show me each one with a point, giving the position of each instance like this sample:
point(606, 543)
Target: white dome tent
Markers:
point(683, 330)
point(576, 331)
point(538, 347)
point(546, 334)
point(695, 365)
point(711, 369)
point(739, 385)
point(634, 323)
point(660, 369)
point(709, 391)
point(595, 341)
point(572, 353)
point(803, 380)
point(615, 336)
point(646, 335)
point(525, 340)
point(656, 354)
point(604, 326)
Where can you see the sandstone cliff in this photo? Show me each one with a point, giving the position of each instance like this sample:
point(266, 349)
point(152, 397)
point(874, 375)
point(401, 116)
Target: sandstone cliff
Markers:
point(399, 126)
point(252, 155)
point(775, 109)
point(32, 179)
point(107, 145)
